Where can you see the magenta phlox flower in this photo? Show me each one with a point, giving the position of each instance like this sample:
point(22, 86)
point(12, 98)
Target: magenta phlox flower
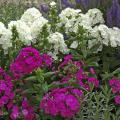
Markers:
point(15, 113)
point(117, 99)
point(93, 81)
point(64, 102)
point(47, 60)
point(114, 82)
point(27, 110)
point(26, 62)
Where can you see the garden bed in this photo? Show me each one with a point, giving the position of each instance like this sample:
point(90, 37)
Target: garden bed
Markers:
point(60, 61)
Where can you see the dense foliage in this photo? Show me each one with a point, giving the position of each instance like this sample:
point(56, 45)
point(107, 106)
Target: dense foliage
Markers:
point(60, 65)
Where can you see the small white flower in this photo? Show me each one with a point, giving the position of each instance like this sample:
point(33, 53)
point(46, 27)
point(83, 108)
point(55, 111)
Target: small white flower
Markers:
point(114, 36)
point(5, 37)
point(2, 26)
point(74, 45)
point(68, 18)
point(78, 10)
point(53, 3)
point(54, 56)
point(69, 12)
point(57, 40)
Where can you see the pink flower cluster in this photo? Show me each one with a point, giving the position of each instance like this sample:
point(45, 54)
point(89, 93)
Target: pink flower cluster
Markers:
point(15, 113)
point(64, 102)
point(76, 71)
point(25, 110)
point(28, 60)
point(46, 60)
point(115, 86)
point(7, 99)
point(6, 90)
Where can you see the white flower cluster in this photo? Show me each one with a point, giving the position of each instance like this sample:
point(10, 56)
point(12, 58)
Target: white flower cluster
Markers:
point(35, 21)
point(72, 18)
point(5, 37)
point(89, 20)
point(28, 28)
point(102, 35)
point(37, 26)
point(23, 30)
point(57, 40)
point(105, 36)
point(32, 22)
point(114, 36)
point(31, 15)
point(95, 16)
point(30, 25)
point(93, 22)
point(68, 17)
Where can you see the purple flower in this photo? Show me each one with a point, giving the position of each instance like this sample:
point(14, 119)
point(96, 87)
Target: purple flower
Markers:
point(44, 8)
point(113, 14)
point(66, 3)
point(85, 3)
point(88, 4)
